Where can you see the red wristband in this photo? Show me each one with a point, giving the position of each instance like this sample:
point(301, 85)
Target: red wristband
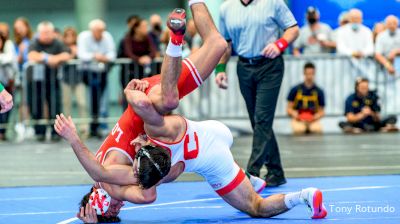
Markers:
point(282, 44)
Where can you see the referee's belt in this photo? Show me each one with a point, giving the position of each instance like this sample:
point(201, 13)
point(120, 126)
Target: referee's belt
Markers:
point(255, 60)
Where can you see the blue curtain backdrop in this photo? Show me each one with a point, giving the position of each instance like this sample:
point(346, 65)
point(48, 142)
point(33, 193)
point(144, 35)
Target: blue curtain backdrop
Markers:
point(374, 10)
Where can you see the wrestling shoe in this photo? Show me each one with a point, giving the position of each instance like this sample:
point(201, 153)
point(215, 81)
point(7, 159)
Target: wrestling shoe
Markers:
point(313, 199)
point(177, 24)
point(258, 184)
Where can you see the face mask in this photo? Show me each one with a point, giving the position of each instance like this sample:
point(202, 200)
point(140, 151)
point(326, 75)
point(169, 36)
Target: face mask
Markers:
point(312, 21)
point(355, 27)
point(157, 28)
point(392, 33)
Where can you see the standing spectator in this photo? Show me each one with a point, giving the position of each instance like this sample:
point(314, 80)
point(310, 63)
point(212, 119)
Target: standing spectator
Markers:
point(73, 81)
point(156, 31)
point(125, 75)
point(343, 20)
point(51, 52)
point(96, 49)
point(5, 30)
point(379, 27)
point(140, 48)
point(315, 37)
point(22, 38)
point(8, 70)
point(387, 46)
point(362, 111)
point(251, 28)
point(306, 104)
point(355, 39)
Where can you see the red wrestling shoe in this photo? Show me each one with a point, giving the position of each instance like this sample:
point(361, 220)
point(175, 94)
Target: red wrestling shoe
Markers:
point(177, 24)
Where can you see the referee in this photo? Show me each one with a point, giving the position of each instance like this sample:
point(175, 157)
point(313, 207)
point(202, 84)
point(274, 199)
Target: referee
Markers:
point(252, 29)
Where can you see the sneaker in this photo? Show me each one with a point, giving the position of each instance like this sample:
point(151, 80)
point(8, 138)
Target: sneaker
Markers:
point(274, 180)
point(257, 183)
point(313, 199)
point(177, 21)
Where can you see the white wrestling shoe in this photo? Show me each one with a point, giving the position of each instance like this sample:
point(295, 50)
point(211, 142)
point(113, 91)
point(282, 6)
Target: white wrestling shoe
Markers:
point(257, 183)
point(313, 199)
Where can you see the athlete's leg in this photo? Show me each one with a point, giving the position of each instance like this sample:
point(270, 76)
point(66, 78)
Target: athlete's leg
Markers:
point(166, 97)
point(214, 45)
point(244, 198)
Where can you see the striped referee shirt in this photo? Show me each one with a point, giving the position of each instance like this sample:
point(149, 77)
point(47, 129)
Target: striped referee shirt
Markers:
point(252, 27)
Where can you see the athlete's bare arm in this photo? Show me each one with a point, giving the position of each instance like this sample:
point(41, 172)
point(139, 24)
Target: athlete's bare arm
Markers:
point(131, 193)
point(115, 174)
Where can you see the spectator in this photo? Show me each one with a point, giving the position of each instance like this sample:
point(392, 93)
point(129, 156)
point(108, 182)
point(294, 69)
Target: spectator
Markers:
point(306, 104)
point(73, 81)
point(96, 49)
point(139, 47)
point(343, 20)
point(22, 38)
point(362, 111)
point(315, 37)
point(378, 28)
point(355, 39)
point(125, 75)
point(156, 31)
point(8, 70)
point(387, 46)
point(5, 30)
point(44, 86)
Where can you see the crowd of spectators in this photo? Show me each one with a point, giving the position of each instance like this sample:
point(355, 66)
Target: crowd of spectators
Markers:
point(54, 86)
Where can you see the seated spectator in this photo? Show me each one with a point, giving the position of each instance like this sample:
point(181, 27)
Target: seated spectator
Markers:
point(72, 84)
point(8, 70)
point(44, 86)
point(379, 27)
point(96, 50)
point(5, 30)
point(355, 39)
point(362, 111)
point(156, 31)
point(140, 48)
point(306, 104)
point(315, 37)
point(387, 46)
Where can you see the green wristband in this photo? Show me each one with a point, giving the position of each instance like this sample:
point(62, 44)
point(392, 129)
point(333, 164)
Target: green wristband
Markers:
point(220, 68)
point(1, 87)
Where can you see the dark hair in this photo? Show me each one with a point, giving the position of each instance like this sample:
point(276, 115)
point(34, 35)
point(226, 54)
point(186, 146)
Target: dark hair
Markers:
point(3, 40)
point(132, 17)
point(100, 219)
point(309, 65)
point(135, 26)
point(154, 164)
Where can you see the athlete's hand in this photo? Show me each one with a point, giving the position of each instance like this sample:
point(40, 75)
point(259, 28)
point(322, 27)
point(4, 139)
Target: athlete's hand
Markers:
point(65, 127)
point(6, 101)
point(271, 51)
point(136, 84)
point(139, 141)
point(87, 214)
point(222, 80)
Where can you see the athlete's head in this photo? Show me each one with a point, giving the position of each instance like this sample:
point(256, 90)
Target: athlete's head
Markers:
point(152, 163)
point(111, 215)
point(362, 86)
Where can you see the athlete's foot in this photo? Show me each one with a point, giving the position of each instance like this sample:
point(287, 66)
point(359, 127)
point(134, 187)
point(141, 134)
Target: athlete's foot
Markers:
point(257, 183)
point(177, 24)
point(313, 199)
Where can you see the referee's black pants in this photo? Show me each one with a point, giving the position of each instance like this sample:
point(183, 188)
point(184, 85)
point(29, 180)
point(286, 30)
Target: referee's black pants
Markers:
point(260, 84)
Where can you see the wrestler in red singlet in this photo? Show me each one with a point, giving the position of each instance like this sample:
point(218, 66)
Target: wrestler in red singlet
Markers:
point(130, 125)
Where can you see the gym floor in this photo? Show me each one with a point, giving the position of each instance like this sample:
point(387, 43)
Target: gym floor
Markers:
point(364, 166)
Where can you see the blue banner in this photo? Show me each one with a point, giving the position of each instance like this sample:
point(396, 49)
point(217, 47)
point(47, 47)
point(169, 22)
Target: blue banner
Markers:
point(374, 10)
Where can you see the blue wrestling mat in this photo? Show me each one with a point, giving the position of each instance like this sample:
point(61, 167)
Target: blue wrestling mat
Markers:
point(369, 199)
